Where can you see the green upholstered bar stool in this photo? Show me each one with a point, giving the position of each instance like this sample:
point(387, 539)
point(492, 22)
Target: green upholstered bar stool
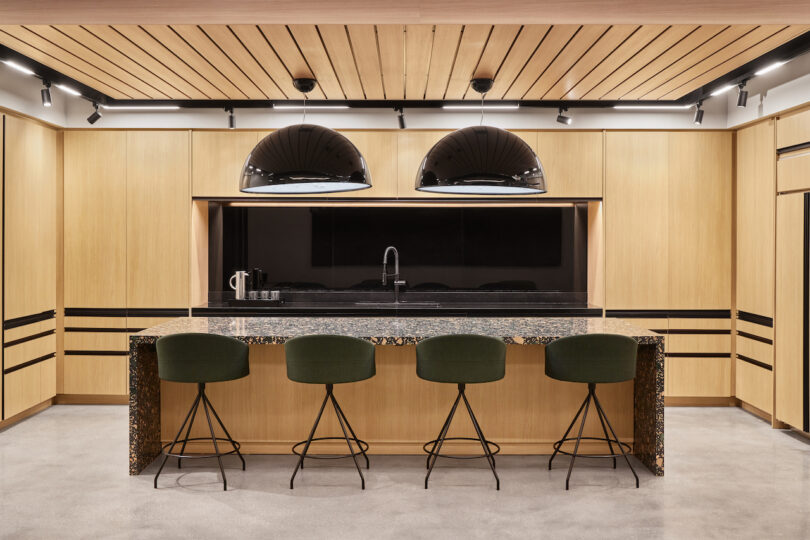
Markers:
point(330, 360)
point(461, 359)
point(201, 359)
point(592, 359)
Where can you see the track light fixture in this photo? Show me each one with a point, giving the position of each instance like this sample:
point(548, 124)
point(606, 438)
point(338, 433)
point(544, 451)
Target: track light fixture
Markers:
point(742, 95)
point(699, 113)
point(400, 117)
point(561, 118)
point(46, 94)
point(95, 116)
point(231, 119)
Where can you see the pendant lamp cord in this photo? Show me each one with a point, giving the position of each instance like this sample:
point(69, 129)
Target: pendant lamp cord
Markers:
point(481, 122)
point(304, 119)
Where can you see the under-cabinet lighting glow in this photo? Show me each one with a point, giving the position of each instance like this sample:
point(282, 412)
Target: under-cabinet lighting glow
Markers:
point(479, 107)
point(68, 90)
point(14, 65)
point(308, 107)
point(723, 90)
point(768, 69)
point(653, 107)
point(140, 107)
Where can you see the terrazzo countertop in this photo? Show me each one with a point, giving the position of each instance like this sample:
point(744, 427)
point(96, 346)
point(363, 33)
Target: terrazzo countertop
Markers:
point(397, 330)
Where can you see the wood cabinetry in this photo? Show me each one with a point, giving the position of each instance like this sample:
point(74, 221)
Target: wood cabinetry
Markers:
point(793, 170)
point(793, 129)
point(573, 162)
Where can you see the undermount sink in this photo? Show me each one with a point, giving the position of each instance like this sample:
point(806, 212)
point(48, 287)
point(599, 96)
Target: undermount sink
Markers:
point(398, 304)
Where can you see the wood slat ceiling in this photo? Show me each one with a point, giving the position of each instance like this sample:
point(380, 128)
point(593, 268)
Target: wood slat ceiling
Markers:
point(395, 62)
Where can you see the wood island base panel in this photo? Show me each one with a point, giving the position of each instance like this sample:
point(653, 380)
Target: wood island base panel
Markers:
point(395, 411)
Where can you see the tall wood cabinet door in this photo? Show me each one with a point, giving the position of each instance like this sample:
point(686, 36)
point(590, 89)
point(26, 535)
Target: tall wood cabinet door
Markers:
point(379, 148)
point(412, 146)
point(572, 161)
point(636, 223)
point(789, 320)
point(217, 158)
point(756, 190)
point(95, 219)
point(31, 156)
point(700, 220)
point(158, 219)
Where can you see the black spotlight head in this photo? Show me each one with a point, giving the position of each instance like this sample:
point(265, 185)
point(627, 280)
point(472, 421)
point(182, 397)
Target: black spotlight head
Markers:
point(46, 94)
point(699, 114)
point(304, 85)
point(742, 96)
point(401, 117)
point(95, 116)
point(482, 86)
point(231, 119)
point(561, 118)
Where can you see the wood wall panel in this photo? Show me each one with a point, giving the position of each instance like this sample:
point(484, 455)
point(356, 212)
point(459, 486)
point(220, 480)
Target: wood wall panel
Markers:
point(95, 219)
point(698, 377)
point(29, 386)
point(29, 350)
point(754, 385)
point(96, 375)
point(158, 222)
point(572, 161)
point(793, 129)
point(217, 158)
point(793, 171)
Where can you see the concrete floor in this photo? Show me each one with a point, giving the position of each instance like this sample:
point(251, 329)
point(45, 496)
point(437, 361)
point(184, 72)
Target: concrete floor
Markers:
point(63, 474)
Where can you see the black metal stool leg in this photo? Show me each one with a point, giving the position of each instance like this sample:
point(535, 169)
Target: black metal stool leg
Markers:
point(444, 427)
point(599, 406)
point(601, 413)
point(188, 431)
point(440, 440)
point(300, 464)
point(579, 438)
point(484, 445)
point(348, 425)
point(176, 437)
point(348, 441)
point(225, 430)
point(216, 447)
point(567, 431)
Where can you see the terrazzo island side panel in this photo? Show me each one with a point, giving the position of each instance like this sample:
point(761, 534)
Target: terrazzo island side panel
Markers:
point(395, 331)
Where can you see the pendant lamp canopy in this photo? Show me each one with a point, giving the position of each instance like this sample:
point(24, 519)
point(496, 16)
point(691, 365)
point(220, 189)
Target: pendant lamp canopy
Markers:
point(304, 158)
point(481, 160)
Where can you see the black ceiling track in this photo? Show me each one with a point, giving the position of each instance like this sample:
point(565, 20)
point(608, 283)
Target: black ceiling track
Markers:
point(784, 52)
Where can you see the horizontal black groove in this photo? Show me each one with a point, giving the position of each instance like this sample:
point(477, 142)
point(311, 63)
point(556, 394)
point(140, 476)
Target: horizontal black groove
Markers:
point(761, 320)
point(95, 330)
point(96, 353)
point(669, 313)
point(755, 337)
point(32, 337)
point(433, 312)
point(29, 363)
point(755, 362)
point(28, 319)
point(126, 312)
point(694, 331)
point(793, 148)
point(697, 355)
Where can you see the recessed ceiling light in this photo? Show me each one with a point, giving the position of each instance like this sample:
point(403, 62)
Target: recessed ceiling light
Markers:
point(768, 69)
point(502, 107)
point(653, 107)
point(723, 90)
point(140, 107)
point(14, 65)
point(308, 107)
point(68, 90)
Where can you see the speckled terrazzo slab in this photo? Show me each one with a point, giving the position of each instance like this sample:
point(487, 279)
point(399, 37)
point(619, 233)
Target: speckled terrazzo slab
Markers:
point(396, 331)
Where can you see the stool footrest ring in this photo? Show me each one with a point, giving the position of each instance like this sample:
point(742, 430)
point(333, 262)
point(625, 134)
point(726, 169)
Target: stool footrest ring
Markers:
point(363, 445)
point(166, 447)
point(559, 443)
point(490, 444)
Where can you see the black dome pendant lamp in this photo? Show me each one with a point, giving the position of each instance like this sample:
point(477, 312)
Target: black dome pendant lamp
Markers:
point(304, 158)
point(481, 160)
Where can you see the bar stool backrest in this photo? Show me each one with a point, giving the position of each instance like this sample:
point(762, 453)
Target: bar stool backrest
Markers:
point(592, 358)
point(461, 359)
point(329, 359)
point(201, 358)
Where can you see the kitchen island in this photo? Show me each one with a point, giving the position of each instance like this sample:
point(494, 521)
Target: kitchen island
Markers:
point(395, 411)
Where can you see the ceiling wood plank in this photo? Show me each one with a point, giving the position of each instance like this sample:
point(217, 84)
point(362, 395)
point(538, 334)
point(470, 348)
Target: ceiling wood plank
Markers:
point(519, 53)
point(367, 57)
point(746, 56)
point(391, 41)
point(309, 42)
point(254, 41)
point(154, 48)
point(662, 59)
point(114, 39)
point(338, 47)
point(243, 58)
point(553, 44)
point(92, 56)
point(473, 40)
point(418, 46)
point(595, 56)
point(282, 42)
point(716, 43)
point(446, 40)
point(498, 45)
point(172, 42)
point(206, 48)
point(632, 46)
point(56, 63)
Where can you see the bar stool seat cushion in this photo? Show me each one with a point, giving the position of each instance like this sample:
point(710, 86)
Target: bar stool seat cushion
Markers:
point(592, 358)
point(201, 358)
point(461, 359)
point(329, 359)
